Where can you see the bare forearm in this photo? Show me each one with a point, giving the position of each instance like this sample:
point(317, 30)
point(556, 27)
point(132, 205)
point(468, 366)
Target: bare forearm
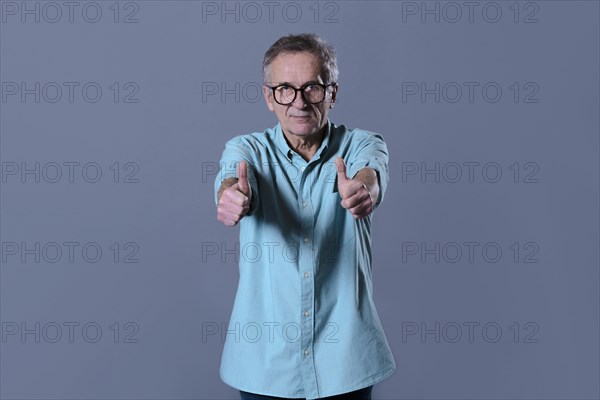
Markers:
point(368, 176)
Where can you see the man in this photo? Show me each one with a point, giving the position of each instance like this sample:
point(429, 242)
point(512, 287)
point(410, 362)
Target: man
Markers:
point(303, 324)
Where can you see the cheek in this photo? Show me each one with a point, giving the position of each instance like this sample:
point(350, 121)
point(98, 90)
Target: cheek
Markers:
point(320, 113)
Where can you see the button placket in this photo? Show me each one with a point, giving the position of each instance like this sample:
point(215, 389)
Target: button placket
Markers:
point(306, 266)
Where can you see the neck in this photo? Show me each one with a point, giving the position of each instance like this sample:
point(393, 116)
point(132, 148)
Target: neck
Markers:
point(306, 146)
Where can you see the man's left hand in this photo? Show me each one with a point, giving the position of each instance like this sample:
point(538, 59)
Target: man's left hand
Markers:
point(356, 198)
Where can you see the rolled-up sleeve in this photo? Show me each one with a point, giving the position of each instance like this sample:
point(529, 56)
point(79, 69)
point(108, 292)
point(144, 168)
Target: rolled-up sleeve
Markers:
point(238, 149)
point(371, 151)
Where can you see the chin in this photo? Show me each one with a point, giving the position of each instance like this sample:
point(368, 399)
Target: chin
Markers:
point(304, 129)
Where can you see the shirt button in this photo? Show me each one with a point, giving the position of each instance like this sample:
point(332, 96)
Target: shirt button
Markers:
point(304, 205)
point(306, 352)
point(306, 274)
point(302, 169)
point(306, 313)
point(306, 240)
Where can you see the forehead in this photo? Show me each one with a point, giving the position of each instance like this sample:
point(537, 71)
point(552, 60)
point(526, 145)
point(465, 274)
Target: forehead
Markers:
point(296, 68)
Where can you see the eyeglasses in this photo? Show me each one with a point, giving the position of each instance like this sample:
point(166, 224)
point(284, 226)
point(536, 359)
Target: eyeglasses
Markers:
point(313, 93)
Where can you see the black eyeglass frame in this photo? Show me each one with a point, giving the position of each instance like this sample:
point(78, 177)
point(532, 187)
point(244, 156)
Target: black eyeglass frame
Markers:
point(301, 90)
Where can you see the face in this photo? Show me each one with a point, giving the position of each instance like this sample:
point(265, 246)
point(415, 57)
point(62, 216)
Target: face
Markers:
point(299, 118)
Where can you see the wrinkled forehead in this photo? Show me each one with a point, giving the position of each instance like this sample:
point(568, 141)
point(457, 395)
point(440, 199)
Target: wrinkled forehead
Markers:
point(297, 68)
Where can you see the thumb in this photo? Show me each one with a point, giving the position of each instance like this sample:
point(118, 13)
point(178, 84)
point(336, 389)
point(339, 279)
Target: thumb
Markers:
point(341, 171)
point(242, 173)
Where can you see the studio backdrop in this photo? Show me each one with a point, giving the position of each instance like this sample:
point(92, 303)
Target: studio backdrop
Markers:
point(117, 280)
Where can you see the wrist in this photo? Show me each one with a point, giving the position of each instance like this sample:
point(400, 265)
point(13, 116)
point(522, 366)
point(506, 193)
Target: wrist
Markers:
point(370, 196)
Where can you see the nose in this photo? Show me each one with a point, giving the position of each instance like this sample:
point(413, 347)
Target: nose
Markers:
point(299, 101)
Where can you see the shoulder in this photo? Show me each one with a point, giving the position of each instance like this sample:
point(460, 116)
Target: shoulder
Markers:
point(356, 135)
point(252, 141)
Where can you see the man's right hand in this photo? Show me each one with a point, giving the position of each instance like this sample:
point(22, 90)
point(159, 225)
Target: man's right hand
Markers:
point(234, 201)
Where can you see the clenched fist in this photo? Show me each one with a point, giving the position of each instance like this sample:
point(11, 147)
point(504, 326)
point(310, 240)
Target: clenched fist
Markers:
point(234, 201)
point(356, 198)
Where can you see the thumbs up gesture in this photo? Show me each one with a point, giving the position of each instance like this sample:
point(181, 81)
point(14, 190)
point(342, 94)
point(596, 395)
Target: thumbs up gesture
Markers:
point(234, 201)
point(356, 198)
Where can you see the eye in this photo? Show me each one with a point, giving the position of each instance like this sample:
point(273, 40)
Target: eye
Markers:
point(285, 88)
point(314, 90)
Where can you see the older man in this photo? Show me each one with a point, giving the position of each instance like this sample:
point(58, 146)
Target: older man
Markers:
point(304, 324)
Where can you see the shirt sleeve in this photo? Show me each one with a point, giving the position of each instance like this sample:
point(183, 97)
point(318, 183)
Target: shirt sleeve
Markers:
point(236, 150)
point(371, 151)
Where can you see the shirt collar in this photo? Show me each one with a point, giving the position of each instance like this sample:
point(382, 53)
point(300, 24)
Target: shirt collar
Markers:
point(283, 146)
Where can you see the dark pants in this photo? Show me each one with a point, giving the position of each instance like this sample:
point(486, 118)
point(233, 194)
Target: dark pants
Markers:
point(361, 394)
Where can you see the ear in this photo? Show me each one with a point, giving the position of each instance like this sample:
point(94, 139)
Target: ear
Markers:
point(334, 90)
point(268, 99)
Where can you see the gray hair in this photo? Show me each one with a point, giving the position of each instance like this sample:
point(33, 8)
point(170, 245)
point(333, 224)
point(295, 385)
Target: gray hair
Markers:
point(305, 42)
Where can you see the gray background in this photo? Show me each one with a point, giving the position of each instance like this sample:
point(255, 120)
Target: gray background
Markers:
point(187, 75)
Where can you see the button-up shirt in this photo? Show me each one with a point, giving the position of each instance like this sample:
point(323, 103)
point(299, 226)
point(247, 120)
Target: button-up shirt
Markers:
point(303, 322)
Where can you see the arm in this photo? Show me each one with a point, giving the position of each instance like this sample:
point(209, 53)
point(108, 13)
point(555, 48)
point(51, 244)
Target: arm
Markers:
point(236, 190)
point(369, 171)
point(359, 193)
point(234, 197)
point(370, 179)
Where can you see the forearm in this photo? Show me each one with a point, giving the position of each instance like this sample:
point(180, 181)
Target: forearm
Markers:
point(368, 176)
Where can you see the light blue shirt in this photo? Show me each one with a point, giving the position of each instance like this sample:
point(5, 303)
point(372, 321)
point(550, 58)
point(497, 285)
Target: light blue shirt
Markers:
point(304, 323)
